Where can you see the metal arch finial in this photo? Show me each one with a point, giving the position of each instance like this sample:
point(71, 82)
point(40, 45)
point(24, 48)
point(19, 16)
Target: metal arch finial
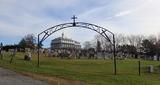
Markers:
point(74, 20)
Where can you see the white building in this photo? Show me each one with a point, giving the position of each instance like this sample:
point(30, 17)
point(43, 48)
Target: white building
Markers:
point(65, 43)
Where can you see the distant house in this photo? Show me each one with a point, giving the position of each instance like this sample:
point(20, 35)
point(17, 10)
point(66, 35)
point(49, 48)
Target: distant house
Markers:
point(64, 44)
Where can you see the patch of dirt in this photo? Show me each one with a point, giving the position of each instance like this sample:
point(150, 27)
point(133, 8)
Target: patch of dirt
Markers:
point(54, 80)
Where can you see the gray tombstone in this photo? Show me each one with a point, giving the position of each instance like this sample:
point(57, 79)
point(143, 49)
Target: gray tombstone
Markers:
point(150, 69)
point(155, 57)
point(99, 55)
point(28, 56)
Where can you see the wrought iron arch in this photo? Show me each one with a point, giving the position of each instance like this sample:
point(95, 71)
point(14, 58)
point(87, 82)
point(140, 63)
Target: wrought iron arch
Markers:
point(102, 31)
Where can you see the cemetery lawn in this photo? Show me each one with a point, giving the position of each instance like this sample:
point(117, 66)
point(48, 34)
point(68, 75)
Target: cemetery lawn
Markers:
point(94, 72)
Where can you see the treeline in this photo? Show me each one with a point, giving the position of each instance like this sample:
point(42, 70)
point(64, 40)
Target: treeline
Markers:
point(28, 41)
point(129, 44)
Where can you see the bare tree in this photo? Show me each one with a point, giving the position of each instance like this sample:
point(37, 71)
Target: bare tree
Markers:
point(120, 39)
point(124, 40)
point(87, 45)
point(105, 44)
point(159, 37)
point(131, 40)
point(152, 38)
point(139, 39)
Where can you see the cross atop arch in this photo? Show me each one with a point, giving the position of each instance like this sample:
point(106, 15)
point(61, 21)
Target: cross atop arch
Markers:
point(74, 20)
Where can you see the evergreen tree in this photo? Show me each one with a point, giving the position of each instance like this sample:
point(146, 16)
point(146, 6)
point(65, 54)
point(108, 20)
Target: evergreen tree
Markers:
point(98, 47)
point(28, 41)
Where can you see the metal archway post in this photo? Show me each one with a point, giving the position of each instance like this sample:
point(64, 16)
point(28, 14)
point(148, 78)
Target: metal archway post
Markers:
point(114, 55)
point(38, 50)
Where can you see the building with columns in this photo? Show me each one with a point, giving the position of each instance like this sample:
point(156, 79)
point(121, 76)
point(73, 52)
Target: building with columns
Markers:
point(65, 44)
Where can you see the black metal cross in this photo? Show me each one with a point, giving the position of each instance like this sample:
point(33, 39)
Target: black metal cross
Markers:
point(74, 18)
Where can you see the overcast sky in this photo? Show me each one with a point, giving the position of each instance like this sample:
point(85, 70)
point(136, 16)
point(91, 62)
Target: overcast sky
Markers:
point(21, 17)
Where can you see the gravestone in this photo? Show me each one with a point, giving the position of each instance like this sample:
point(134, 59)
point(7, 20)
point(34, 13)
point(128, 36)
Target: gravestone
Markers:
point(99, 55)
point(155, 58)
point(28, 56)
point(150, 69)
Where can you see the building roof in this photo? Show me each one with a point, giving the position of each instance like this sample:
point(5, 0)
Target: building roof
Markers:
point(61, 40)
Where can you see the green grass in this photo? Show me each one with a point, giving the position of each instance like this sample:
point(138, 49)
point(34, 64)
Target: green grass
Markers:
point(96, 72)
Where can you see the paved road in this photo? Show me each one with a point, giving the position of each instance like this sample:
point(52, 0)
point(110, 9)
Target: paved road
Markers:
point(8, 77)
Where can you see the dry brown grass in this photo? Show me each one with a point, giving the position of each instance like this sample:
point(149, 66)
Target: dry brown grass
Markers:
point(54, 80)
